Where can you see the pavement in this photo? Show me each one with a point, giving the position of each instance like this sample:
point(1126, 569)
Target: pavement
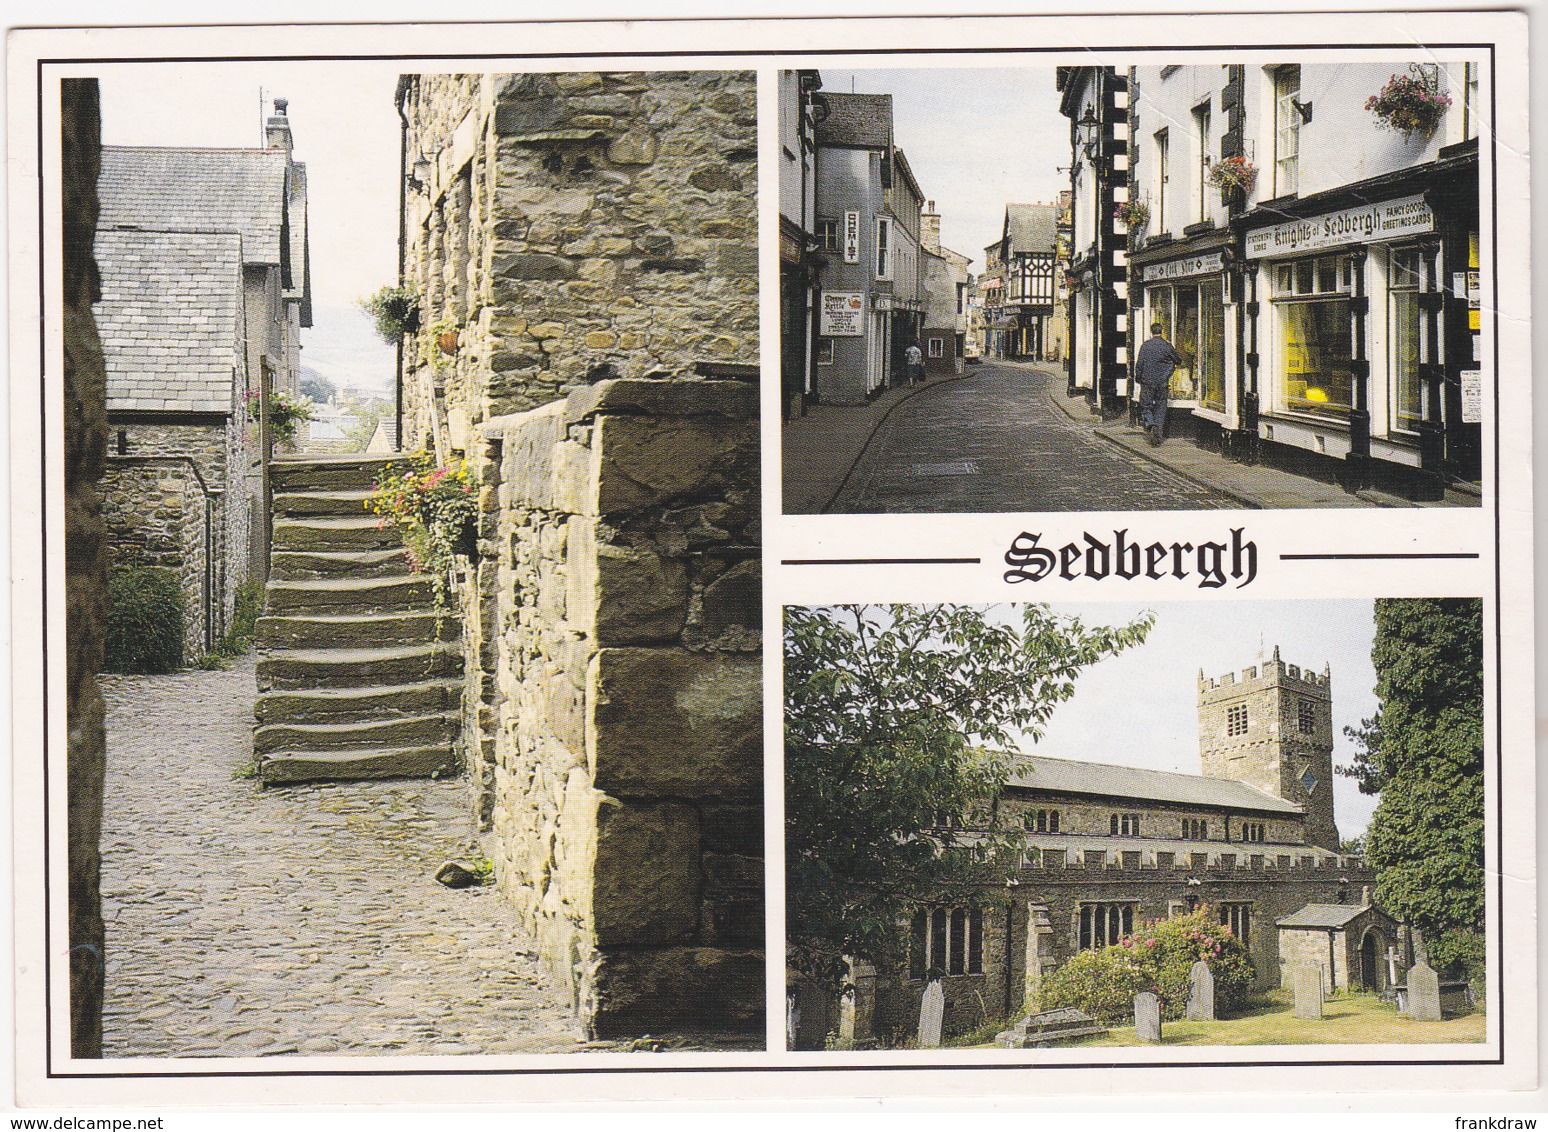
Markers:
point(1004, 437)
point(244, 921)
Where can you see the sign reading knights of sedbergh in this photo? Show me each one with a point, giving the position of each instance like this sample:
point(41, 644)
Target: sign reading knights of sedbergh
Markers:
point(1388, 220)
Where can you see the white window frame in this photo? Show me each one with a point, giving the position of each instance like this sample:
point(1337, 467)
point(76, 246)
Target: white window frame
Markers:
point(1201, 123)
point(1287, 130)
point(885, 252)
point(1163, 175)
point(936, 347)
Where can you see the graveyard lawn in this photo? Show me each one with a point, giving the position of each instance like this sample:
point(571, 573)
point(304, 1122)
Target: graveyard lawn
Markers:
point(1348, 1019)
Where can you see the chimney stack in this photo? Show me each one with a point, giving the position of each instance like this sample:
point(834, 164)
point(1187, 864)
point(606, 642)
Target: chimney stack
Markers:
point(930, 228)
point(276, 133)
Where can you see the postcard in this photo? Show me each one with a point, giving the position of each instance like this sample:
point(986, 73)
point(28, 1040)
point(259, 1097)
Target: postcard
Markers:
point(740, 559)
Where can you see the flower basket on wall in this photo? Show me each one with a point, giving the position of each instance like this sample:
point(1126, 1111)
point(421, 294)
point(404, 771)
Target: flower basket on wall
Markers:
point(1410, 103)
point(1133, 215)
point(1232, 175)
point(435, 510)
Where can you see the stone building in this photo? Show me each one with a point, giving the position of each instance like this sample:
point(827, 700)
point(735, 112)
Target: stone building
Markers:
point(1108, 848)
point(799, 258)
point(205, 289)
point(1355, 946)
point(943, 337)
point(584, 248)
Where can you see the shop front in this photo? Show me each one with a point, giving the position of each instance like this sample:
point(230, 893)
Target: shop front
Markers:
point(1187, 296)
point(1359, 340)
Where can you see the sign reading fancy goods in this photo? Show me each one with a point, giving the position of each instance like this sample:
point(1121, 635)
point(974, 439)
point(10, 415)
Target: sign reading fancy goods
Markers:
point(1366, 223)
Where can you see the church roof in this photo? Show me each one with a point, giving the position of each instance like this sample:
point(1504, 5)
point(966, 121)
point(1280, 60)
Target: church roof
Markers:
point(1066, 776)
point(1324, 916)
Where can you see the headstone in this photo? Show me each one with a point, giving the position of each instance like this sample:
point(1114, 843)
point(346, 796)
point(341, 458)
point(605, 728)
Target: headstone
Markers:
point(1392, 966)
point(1423, 994)
point(1147, 1017)
point(1201, 993)
point(792, 1019)
point(932, 1011)
point(1307, 986)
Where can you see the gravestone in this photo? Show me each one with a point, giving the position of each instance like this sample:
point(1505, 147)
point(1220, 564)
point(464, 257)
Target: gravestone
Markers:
point(1392, 967)
point(1049, 1027)
point(1423, 994)
point(792, 1019)
point(932, 1011)
point(1201, 993)
point(1307, 985)
point(1147, 1017)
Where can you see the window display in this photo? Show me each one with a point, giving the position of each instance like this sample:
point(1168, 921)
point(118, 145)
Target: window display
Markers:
point(1404, 278)
point(1316, 334)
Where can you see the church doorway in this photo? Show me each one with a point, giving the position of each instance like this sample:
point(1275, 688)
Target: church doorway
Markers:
point(1370, 967)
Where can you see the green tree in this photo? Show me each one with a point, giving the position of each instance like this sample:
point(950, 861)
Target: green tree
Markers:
point(888, 801)
point(1423, 753)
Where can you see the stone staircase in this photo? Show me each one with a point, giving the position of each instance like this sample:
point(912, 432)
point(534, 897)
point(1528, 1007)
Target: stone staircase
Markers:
point(357, 678)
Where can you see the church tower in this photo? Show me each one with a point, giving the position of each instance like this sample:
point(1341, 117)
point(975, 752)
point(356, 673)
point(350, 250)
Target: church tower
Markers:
point(1272, 728)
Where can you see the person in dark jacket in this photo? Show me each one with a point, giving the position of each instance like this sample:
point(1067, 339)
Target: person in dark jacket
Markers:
point(1153, 367)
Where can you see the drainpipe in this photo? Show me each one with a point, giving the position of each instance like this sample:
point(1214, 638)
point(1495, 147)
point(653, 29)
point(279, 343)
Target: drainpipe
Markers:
point(399, 100)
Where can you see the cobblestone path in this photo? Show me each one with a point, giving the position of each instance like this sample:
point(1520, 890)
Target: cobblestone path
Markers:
point(296, 920)
point(993, 442)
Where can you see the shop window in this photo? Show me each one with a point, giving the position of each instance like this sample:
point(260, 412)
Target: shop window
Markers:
point(1238, 917)
point(1405, 279)
point(884, 247)
point(1316, 334)
point(825, 351)
point(1211, 356)
point(1287, 130)
point(946, 941)
point(1195, 829)
point(828, 233)
point(1104, 924)
point(936, 348)
point(1124, 825)
point(1305, 717)
point(1236, 719)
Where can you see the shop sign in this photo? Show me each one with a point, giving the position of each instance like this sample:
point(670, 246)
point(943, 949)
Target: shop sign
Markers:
point(1363, 224)
point(843, 314)
point(1472, 396)
point(851, 237)
point(1183, 268)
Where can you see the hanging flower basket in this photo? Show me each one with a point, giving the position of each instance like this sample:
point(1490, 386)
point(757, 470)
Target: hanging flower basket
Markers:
point(435, 510)
point(1133, 214)
point(1233, 175)
point(1409, 104)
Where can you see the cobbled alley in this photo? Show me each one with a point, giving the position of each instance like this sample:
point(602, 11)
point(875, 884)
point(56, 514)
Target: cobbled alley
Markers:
point(244, 921)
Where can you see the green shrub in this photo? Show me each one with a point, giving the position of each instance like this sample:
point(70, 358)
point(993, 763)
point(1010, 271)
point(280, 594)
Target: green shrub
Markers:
point(247, 606)
point(145, 621)
point(1461, 953)
point(1156, 958)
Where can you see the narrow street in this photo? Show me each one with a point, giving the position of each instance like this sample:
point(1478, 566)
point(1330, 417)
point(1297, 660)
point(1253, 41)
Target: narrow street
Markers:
point(993, 441)
point(244, 921)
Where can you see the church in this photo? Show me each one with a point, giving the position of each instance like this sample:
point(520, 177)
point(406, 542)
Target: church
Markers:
point(1108, 848)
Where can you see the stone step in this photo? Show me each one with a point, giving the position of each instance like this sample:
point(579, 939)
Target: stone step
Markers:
point(354, 532)
point(351, 502)
point(337, 766)
point(410, 731)
point(357, 630)
point(406, 593)
point(294, 565)
point(343, 668)
point(342, 705)
point(328, 473)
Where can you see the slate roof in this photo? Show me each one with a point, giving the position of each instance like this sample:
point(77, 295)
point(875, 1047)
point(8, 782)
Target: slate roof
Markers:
point(861, 121)
point(1031, 227)
point(1324, 916)
point(199, 190)
point(169, 318)
point(1070, 777)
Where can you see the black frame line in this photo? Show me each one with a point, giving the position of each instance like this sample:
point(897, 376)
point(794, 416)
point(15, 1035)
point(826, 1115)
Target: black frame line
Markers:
point(879, 561)
point(1416, 555)
point(51, 1073)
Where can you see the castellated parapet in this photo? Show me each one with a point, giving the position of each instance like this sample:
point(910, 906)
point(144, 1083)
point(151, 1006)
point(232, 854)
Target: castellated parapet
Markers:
point(1272, 728)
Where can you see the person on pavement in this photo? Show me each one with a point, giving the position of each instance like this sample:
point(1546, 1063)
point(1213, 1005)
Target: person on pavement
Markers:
point(914, 359)
point(1153, 367)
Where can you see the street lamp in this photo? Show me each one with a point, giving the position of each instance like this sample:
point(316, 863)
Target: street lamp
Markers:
point(1088, 130)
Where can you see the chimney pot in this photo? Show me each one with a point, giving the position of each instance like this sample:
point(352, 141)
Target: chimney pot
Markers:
point(281, 105)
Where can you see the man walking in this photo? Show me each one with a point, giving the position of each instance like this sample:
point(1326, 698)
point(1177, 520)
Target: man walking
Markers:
point(913, 358)
point(1153, 367)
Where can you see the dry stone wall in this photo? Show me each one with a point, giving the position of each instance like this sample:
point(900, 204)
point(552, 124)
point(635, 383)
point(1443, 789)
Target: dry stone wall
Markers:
point(622, 772)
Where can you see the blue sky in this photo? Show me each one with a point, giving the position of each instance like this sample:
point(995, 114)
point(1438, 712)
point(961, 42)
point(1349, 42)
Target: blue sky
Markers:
point(976, 138)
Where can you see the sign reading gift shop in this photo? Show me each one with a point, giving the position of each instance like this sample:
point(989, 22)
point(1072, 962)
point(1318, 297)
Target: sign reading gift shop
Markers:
point(1184, 268)
point(1363, 224)
point(843, 314)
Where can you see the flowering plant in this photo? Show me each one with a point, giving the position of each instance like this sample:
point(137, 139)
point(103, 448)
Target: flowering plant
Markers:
point(1134, 214)
point(1232, 173)
point(433, 509)
point(285, 414)
point(1409, 103)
